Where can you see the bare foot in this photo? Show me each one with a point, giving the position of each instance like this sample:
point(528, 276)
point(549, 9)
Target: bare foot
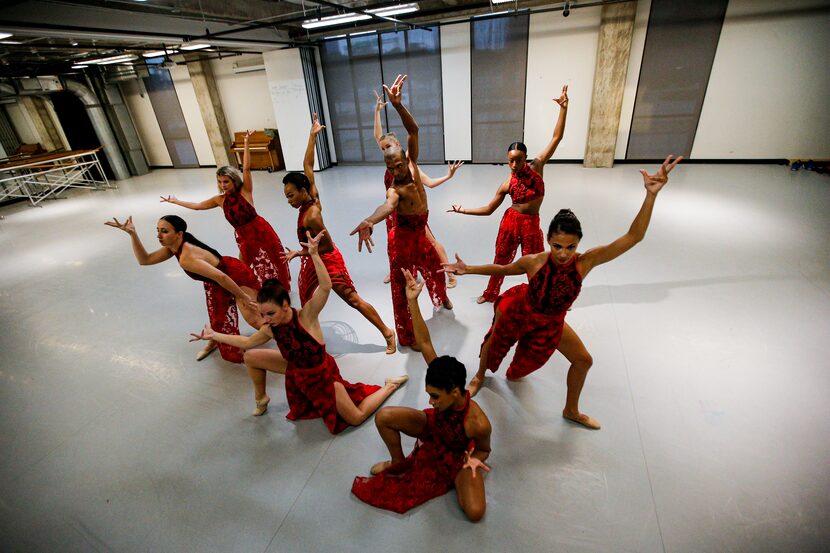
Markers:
point(388, 278)
point(583, 419)
point(396, 381)
point(207, 350)
point(261, 406)
point(475, 385)
point(452, 282)
point(377, 468)
point(390, 343)
point(447, 304)
point(482, 299)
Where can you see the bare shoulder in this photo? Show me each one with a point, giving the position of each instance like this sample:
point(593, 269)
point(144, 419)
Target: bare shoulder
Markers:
point(477, 422)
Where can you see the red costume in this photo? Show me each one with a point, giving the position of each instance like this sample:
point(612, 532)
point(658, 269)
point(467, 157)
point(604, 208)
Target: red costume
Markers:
point(221, 305)
point(310, 377)
point(428, 472)
point(333, 261)
point(534, 315)
point(517, 228)
point(389, 182)
point(410, 249)
point(259, 245)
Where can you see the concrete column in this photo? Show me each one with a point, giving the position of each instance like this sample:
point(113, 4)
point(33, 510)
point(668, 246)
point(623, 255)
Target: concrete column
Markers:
point(613, 50)
point(204, 85)
point(47, 136)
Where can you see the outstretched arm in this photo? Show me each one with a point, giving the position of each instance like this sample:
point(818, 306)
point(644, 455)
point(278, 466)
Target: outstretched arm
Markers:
point(247, 180)
point(653, 184)
point(141, 255)
point(308, 159)
point(364, 229)
point(395, 95)
point(205, 269)
point(452, 167)
point(238, 341)
point(422, 338)
point(210, 203)
point(487, 209)
point(379, 103)
point(521, 266)
point(558, 132)
point(318, 299)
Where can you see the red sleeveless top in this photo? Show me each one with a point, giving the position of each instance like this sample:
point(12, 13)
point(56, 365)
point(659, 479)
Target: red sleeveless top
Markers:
point(297, 346)
point(526, 185)
point(301, 230)
point(238, 211)
point(554, 287)
point(196, 276)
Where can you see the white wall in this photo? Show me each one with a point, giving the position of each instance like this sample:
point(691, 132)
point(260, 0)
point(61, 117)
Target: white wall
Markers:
point(290, 103)
point(457, 91)
point(245, 96)
point(192, 114)
point(22, 123)
point(635, 58)
point(146, 124)
point(767, 94)
point(560, 50)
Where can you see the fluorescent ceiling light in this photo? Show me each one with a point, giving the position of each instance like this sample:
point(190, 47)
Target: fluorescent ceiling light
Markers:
point(362, 33)
point(111, 59)
point(490, 14)
point(5, 35)
point(501, 1)
point(344, 18)
point(194, 46)
point(79, 66)
point(10, 42)
point(159, 53)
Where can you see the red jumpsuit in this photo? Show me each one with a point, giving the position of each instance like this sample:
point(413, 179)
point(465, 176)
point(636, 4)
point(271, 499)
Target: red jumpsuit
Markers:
point(310, 377)
point(333, 261)
point(410, 249)
point(428, 472)
point(221, 305)
point(259, 245)
point(534, 316)
point(518, 228)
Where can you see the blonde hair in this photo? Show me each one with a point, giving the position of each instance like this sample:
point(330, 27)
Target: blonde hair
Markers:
point(232, 173)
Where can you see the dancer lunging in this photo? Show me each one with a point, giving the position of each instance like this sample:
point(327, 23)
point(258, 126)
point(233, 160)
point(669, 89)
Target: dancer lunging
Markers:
point(533, 315)
point(520, 223)
point(453, 437)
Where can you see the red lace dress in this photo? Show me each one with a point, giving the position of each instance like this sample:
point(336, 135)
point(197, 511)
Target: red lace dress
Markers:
point(410, 249)
point(518, 228)
point(221, 305)
point(259, 245)
point(310, 377)
point(533, 315)
point(428, 472)
point(333, 261)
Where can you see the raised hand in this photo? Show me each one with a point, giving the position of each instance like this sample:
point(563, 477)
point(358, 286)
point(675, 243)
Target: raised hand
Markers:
point(458, 268)
point(127, 226)
point(312, 243)
point(654, 183)
point(395, 92)
point(452, 167)
point(474, 463)
point(379, 103)
point(169, 199)
point(316, 127)
point(248, 135)
point(291, 254)
point(206, 334)
point(413, 287)
point(456, 208)
point(364, 232)
point(563, 99)
point(248, 302)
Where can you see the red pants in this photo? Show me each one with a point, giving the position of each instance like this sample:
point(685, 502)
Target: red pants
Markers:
point(515, 229)
point(537, 336)
point(410, 249)
point(336, 268)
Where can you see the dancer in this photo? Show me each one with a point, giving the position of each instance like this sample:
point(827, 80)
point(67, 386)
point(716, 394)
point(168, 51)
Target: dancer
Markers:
point(228, 282)
point(520, 223)
point(259, 246)
point(408, 247)
point(388, 140)
point(298, 190)
point(534, 314)
point(453, 437)
point(313, 384)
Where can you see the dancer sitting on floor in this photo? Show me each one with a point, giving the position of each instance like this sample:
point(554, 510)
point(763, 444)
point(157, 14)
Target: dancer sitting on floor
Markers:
point(388, 140)
point(300, 190)
point(520, 223)
point(313, 384)
point(453, 437)
point(408, 246)
point(259, 245)
point(534, 314)
point(228, 282)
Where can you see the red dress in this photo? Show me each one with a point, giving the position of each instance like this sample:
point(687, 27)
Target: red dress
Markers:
point(428, 472)
point(333, 261)
point(410, 249)
point(534, 316)
point(259, 245)
point(518, 228)
point(310, 377)
point(221, 305)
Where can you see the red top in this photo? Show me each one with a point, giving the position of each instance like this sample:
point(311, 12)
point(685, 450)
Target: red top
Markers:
point(196, 276)
point(238, 211)
point(301, 229)
point(297, 346)
point(554, 287)
point(526, 185)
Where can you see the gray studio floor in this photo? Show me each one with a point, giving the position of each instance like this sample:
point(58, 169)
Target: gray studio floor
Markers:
point(710, 342)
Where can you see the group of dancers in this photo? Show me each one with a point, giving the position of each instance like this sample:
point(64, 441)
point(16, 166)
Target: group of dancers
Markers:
point(453, 435)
